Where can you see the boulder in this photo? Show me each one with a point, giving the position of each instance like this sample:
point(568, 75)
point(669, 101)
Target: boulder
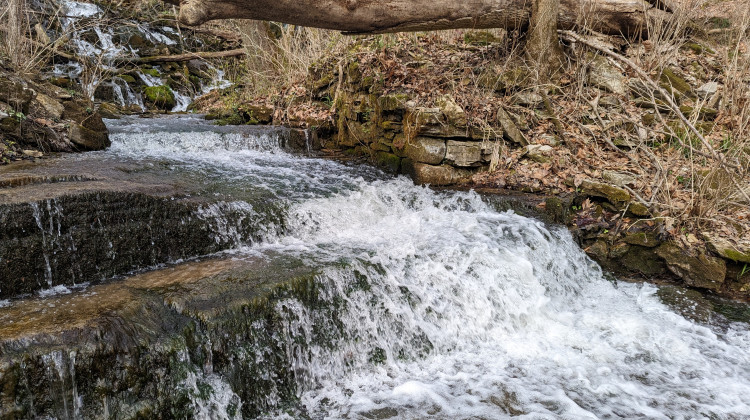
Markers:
point(47, 107)
point(642, 260)
point(14, 92)
point(541, 153)
point(87, 139)
point(727, 249)
point(645, 239)
point(463, 153)
point(426, 150)
point(423, 173)
point(510, 129)
point(707, 89)
point(160, 96)
point(611, 193)
point(528, 99)
point(638, 209)
point(605, 75)
point(261, 114)
point(452, 111)
point(109, 111)
point(388, 161)
point(693, 266)
point(619, 179)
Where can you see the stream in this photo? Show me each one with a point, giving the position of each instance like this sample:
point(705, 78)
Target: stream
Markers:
point(428, 304)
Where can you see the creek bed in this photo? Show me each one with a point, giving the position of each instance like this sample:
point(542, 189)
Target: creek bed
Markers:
point(327, 290)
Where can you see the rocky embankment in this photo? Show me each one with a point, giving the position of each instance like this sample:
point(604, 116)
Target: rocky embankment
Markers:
point(38, 117)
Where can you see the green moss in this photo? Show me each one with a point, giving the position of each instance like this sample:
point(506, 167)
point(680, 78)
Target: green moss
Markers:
point(705, 114)
point(719, 23)
point(481, 38)
point(646, 239)
point(736, 255)
point(388, 161)
point(231, 119)
point(671, 81)
point(697, 48)
point(392, 102)
point(127, 78)
point(151, 72)
point(160, 96)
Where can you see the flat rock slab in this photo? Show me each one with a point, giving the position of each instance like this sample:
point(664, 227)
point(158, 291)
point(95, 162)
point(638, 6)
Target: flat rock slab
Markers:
point(60, 226)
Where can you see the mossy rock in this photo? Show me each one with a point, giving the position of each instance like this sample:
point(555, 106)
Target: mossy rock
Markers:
point(646, 239)
point(138, 42)
point(393, 102)
point(638, 209)
point(230, 119)
point(697, 48)
point(63, 82)
point(151, 72)
point(704, 114)
point(388, 161)
point(86, 139)
point(354, 73)
point(726, 249)
point(109, 111)
point(9, 125)
point(693, 266)
point(160, 96)
point(609, 192)
point(258, 114)
point(642, 260)
point(127, 78)
point(481, 38)
point(557, 209)
point(670, 81)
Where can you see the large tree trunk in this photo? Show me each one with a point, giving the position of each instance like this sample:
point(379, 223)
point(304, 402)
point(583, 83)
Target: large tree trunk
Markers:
point(615, 17)
point(543, 46)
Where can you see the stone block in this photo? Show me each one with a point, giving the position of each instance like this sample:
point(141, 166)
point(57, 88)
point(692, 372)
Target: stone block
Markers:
point(426, 150)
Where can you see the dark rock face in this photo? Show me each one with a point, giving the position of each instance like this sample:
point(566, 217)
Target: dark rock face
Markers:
point(91, 236)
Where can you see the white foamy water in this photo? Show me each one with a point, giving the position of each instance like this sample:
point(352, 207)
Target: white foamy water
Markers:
point(518, 319)
point(451, 310)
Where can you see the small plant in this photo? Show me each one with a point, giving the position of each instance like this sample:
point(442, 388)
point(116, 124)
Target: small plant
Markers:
point(18, 115)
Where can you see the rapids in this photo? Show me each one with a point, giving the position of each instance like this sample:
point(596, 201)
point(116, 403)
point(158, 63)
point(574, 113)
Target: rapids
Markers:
point(445, 308)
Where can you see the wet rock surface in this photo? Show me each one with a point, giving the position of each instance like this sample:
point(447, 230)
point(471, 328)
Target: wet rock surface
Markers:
point(62, 227)
point(159, 344)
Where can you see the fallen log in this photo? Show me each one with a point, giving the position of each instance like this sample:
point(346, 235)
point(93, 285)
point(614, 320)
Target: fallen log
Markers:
point(174, 58)
point(612, 17)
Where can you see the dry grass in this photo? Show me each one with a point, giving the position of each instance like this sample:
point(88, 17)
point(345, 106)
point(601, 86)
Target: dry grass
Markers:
point(281, 55)
point(15, 45)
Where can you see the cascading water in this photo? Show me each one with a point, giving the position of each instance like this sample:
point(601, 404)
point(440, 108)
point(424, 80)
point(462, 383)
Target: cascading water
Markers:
point(448, 309)
point(412, 303)
point(102, 50)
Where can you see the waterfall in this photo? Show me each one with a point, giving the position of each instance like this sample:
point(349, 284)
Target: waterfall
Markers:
point(343, 292)
point(101, 49)
point(449, 309)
